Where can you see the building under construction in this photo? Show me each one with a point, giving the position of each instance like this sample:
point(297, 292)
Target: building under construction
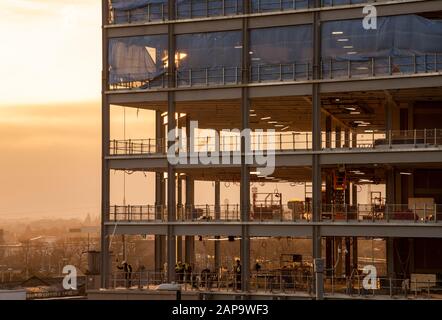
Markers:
point(351, 114)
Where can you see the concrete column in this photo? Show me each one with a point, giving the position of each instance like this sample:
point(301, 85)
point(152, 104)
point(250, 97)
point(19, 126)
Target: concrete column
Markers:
point(171, 125)
point(179, 239)
point(338, 138)
point(160, 200)
point(245, 170)
point(105, 196)
point(217, 217)
point(316, 163)
point(328, 133)
point(329, 241)
point(346, 138)
point(189, 247)
point(390, 199)
point(354, 139)
point(105, 137)
point(354, 202)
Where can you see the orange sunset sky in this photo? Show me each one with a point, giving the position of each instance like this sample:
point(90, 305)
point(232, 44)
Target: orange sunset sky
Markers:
point(50, 57)
point(50, 126)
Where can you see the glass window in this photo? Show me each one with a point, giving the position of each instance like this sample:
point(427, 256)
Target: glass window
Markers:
point(138, 62)
point(400, 44)
point(208, 58)
point(282, 53)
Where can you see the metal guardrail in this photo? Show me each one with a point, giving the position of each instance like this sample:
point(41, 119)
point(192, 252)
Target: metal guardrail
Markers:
point(330, 68)
point(137, 146)
point(382, 213)
point(152, 12)
point(281, 281)
point(191, 9)
point(300, 212)
point(289, 141)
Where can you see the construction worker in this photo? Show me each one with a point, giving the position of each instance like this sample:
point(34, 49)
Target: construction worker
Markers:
point(127, 270)
point(179, 270)
point(188, 272)
point(237, 272)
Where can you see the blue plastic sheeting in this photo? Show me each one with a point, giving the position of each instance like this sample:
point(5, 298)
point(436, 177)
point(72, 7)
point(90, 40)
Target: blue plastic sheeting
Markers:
point(280, 5)
point(208, 58)
point(133, 4)
point(126, 11)
point(208, 8)
point(329, 3)
point(137, 58)
point(400, 44)
point(395, 36)
point(282, 53)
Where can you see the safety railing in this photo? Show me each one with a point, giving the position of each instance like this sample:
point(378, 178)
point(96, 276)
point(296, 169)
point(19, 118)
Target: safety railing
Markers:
point(189, 9)
point(152, 12)
point(261, 6)
point(207, 213)
point(208, 76)
point(334, 3)
point(137, 146)
point(379, 139)
point(140, 213)
point(298, 280)
point(397, 213)
point(299, 212)
point(387, 287)
point(288, 141)
point(281, 72)
point(192, 9)
point(127, 82)
point(332, 68)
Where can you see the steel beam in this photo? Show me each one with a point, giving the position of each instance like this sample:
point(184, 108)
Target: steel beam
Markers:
point(105, 138)
point(245, 170)
point(171, 127)
point(217, 248)
point(316, 161)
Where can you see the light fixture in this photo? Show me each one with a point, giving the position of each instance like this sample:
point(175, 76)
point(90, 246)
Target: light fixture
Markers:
point(255, 173)
point(253, 114)
point(266, 118)
point(285, 128)
point(252, 110)
point(337, 99)
point(238, 47)
point(250, 52)
point(368, 131)
point(279, 125)
point(352, 52)
point(348, 47)
point(355, 112)
point(337, 32)
point(351, 108)
point(343, 40)
point(272, 122)
point(406, 173)
point(359, 121)
point(361, 68)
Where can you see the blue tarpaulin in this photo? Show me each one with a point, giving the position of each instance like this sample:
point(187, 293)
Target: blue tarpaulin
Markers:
point(405, 35)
